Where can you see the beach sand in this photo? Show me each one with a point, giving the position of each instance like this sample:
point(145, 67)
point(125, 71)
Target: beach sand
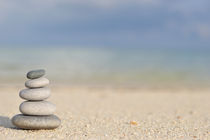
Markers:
point(115, 113)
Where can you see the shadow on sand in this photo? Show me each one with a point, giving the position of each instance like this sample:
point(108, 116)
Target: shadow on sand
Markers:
point(6, 122)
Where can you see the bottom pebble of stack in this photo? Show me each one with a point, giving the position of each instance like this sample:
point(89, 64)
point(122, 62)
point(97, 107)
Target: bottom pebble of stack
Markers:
point(36, 122)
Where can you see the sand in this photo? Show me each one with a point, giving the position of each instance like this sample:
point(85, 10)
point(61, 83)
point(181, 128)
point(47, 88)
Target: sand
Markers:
point(115, 113)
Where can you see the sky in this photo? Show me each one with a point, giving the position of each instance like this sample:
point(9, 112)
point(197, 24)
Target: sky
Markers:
point(109, 23)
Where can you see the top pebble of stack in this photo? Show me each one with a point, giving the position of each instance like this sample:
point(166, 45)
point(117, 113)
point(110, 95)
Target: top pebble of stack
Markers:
point(34, 74)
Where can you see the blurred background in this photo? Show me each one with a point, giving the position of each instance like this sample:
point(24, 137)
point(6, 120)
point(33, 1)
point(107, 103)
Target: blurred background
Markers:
point(135, 43)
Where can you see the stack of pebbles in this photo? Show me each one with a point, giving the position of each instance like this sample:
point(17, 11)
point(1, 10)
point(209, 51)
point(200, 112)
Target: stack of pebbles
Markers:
point(36, 112)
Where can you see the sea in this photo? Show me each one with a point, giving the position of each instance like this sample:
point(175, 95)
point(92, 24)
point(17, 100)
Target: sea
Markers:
point(111, 66)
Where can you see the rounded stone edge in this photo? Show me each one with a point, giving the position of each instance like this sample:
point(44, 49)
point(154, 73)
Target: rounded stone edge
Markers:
point(35, 114)
point(27, 99)
point(16, 117)
point(30, 76)
point(33, 87)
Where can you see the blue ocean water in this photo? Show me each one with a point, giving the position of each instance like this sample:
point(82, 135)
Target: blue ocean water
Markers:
point(143, 67)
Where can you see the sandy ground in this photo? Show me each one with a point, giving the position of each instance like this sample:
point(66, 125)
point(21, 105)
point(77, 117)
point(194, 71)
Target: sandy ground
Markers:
point(107, 113)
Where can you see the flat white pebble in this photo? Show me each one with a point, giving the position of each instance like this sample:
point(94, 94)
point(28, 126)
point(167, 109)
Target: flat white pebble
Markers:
point(37, 83)
point(37, 108)
point(35, 94)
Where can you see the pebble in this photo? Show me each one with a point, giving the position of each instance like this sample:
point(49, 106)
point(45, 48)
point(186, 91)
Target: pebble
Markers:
point(36, 94)
point(36, 113)
point(37, 83)
point(36, 122)
point(37, 108)
point(35, 74)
